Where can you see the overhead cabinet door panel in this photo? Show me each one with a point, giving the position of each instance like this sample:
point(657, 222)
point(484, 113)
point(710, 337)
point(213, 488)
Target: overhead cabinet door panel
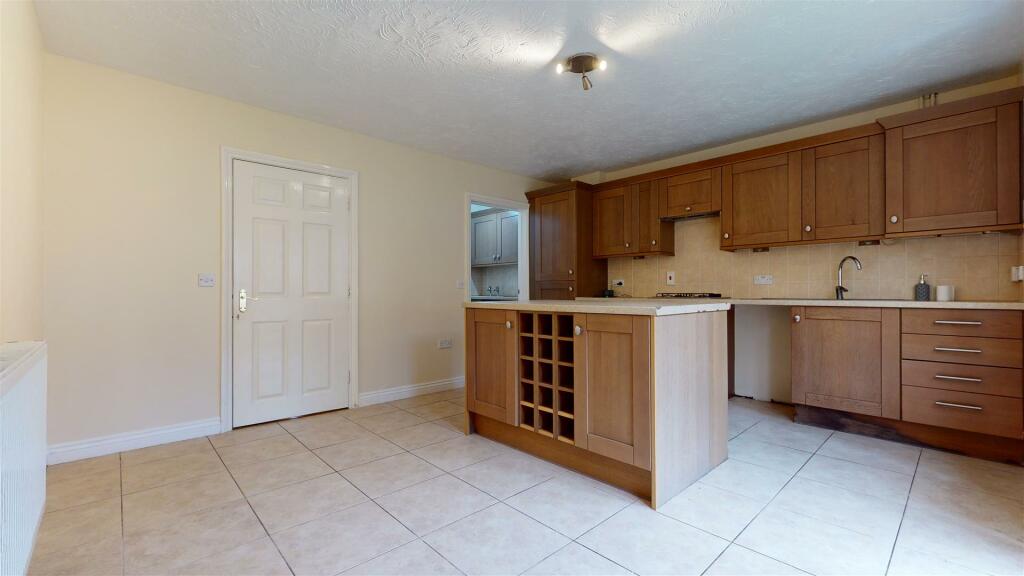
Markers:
point(761, 201)
point(614, 216)
point(554, 232)
point(844, 189)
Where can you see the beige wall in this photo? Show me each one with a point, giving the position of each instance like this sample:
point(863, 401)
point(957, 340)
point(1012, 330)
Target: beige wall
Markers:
point(133, 213)
point(21, 240)
point(978, 265)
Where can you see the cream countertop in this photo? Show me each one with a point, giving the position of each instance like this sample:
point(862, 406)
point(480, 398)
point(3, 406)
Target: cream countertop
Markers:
point(965, 305)
point(630, 306)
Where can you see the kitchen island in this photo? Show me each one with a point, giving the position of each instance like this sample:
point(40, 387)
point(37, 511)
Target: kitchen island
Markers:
point(633, 393)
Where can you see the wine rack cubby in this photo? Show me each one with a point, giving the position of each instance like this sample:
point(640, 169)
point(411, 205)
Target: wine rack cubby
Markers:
point(547, 358)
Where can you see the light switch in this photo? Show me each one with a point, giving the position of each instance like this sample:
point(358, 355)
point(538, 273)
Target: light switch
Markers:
point(670, 278)
point(444, 343)
point(207, 280)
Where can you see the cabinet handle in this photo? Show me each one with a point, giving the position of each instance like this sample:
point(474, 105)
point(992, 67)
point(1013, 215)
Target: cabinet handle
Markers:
point(577, 330)
point(894, 218)
point(570, 271)
point(570, 288)
point(953, 405)
point(627, 244)
point(508, 324)
point(807, 228)
point(957, 378)
point(796, 318)
point(959, 322)
point(726, 235)
point(688, 208)
point(968, 350)
point(654, 242)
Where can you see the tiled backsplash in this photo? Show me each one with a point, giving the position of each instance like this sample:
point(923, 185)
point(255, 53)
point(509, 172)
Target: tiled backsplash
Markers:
point(504, 277)
point(977, 265)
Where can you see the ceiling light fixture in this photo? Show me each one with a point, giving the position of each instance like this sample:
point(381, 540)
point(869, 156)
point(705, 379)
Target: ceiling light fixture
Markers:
point(581, 64)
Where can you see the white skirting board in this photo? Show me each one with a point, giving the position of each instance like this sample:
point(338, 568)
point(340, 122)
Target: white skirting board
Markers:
point(68, 451)
point(410, 390)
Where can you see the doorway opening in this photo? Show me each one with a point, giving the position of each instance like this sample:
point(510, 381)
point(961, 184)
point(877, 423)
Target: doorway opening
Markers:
point(497, 262)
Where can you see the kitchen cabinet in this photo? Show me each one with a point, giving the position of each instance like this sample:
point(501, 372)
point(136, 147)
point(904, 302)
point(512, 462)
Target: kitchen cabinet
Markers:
point(761, 201)
point(954, 166)
point(627, 222)
point(508, 237)
point(491, 354)
point(561, 241)
point(692, 194)
point(847, 359)
point(843, 190)
point(495, 238)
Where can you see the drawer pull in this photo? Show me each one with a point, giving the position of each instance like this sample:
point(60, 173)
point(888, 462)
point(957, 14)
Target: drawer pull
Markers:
point(968, 350)
point(952, 405)
point(957, 378)
point(959, 322)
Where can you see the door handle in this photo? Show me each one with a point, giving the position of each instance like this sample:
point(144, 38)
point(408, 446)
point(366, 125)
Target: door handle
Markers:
point(243, 300)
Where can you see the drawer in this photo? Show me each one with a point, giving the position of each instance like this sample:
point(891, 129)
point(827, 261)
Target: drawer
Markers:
point(962, 350)
point(995, 415)
point(986, 323)
point(964, 378)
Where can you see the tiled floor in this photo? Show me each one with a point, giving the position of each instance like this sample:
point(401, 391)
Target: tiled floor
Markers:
point(398, 489)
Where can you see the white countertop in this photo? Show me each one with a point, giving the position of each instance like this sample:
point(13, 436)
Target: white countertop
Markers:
point(830, 302)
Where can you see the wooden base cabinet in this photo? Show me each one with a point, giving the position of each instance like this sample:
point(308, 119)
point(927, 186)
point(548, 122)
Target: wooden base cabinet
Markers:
point(491, 353)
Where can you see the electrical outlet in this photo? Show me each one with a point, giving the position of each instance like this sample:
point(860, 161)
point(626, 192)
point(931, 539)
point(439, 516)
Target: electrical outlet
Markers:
point(1016, 273)
point(670, 278)
point(444, 343)
point(618, 283)
point(764, 280)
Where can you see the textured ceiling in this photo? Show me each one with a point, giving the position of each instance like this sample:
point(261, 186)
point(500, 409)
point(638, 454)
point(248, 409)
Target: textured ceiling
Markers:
point(474, 80)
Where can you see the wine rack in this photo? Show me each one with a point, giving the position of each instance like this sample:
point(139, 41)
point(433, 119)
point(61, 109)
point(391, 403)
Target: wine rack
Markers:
point(546, 375)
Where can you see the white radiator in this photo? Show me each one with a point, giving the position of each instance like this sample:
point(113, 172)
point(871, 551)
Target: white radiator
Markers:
point(22, 451)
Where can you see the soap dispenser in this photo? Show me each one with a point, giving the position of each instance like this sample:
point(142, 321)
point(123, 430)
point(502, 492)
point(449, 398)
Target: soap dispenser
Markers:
point(922, 291)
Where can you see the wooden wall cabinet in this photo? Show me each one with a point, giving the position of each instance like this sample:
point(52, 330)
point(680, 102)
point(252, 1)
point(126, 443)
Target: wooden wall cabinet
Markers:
point(561, 241)
point(954, 167)
point(843, 190)
point(761, 201)
point(627, 222)
point(692, 194)
point(847, 359)
point(491, 355)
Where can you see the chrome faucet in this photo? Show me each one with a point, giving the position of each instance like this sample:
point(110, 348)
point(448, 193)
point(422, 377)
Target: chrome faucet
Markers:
point(840, 290)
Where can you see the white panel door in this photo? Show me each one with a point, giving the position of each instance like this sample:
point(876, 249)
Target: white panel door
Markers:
point(291, 343)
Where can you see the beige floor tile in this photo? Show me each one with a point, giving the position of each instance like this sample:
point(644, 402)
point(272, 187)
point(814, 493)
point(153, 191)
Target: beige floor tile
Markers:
point(435, 503)
point(645, 542)
point(314, 421)
point(390, 474)
point(515, 542)
point(270, 474)
point(342, 540)
point(73, 527)
point(961, 542)
point(294, 504)
point(101, 558)
point(568, 505)
point(163, 451)
point(575, 560)
point(425, 399)
point(868, 515)
point(754, 482)
point(872, 452)
point(857, 477)
point(720, 512)
point(421, 435)
point(980, 509)
point(460, 452)
point(260, 450)
point(256, 558)
point(773, 456)
point(738, 561)
point(190, 538)
point(155, 473)
point(357, 452)
point(909, 562)
point(69, 470)
point(456, 423)
point(973, 474)
point(83, 489)
point(814, 546)
point(789, 434)
point(161, 505)
point(412, 558)
point(508, 474)
point(437, 410)
point(363, 412)
point(390, 421)
point(246, 434)
point(334, 433)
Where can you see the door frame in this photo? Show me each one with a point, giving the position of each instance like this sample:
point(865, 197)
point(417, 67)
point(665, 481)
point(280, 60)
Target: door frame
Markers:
point(228, 155)
point(523, 265)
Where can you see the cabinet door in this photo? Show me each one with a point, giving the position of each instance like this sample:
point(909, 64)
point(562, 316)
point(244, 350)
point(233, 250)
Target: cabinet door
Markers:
point(614, 221)
point(690, 194)
point(844, 189)
point(617, 387)
point(554, 236)
point(654, 235)
point(554, 291)
point(485, 239)
point(846, 359)
point(491, 364)
point(955, 172)
point(761, 201)
point(508, 237)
